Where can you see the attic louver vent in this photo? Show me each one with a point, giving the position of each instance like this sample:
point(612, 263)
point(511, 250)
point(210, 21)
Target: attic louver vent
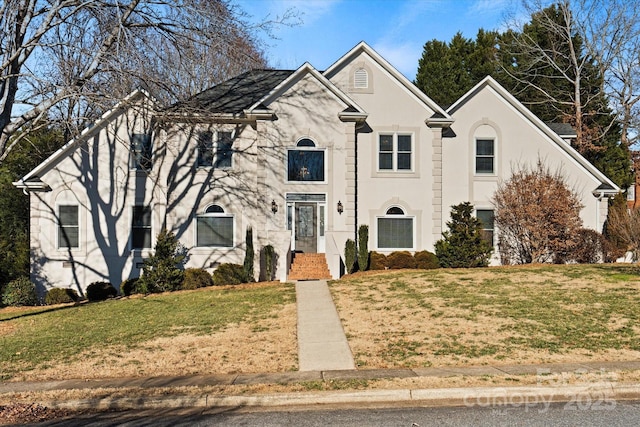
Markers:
point(361, 79)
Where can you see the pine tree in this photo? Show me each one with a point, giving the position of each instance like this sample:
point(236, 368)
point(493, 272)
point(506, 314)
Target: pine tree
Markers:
point(163, 271)
point(462, 246)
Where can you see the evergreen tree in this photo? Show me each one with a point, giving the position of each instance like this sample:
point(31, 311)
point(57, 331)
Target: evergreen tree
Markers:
point(249, 256)
point(462, 246)
point(163, 271)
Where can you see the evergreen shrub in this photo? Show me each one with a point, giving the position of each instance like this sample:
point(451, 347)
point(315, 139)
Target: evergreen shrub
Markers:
point(100, 291)
point(19, 292)
point(195, 278)
point(426, 260)
point(229, 274)
point(377, 261)
point(401, 259)
point(131, 286)
point(61, 296)
point(350, 255)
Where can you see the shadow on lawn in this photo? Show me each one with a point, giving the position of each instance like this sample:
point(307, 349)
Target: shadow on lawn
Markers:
point(19, 315)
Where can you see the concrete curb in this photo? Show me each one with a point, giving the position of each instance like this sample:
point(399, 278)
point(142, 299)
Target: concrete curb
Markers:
point(593, 396)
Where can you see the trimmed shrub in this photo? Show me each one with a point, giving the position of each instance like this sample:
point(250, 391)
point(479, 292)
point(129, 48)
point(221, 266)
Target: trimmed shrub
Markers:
point(20, 292)
point(100, 291)
point(132, 286)
point(426, 260)
point(61, 296)
point(249, 256)
point(229, 274)
point(195, 278)
point(268, 260)
point(377, 261)
point(350, 255)
point(401, 259)
point(363, 247)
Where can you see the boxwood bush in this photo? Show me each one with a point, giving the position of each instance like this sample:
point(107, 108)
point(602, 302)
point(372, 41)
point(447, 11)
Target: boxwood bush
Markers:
point(377, 261)
point(61, 296)
point(426, 260)
point(131, 286)
point(229, 274)
point(401, 259)
point(100, 291)
point(195, 278)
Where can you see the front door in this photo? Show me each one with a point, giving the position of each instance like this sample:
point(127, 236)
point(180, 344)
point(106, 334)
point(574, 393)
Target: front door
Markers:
point(306, 237)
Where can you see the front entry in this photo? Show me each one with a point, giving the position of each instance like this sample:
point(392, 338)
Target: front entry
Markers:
point(306, 238)
point(306, 221)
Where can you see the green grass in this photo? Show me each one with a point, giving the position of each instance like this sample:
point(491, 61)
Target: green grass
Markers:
point(45, 334)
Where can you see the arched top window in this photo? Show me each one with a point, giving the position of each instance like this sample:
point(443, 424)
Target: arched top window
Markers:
point(214, 209)
point(361, 79)
point(395, 211)
point(306, 142)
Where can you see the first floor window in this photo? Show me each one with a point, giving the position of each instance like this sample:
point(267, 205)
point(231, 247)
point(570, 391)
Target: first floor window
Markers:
point(141, 151)
point(141, 227)
point(486, 218)
point(395, 152)
point(214, 228)
point(68, 227)
point(485, 155)
point(395, 230)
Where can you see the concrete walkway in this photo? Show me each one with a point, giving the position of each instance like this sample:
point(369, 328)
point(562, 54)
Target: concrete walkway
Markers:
point(322, 345)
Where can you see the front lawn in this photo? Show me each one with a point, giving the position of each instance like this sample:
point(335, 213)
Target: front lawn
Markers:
point(209, 330)
point(503, 315)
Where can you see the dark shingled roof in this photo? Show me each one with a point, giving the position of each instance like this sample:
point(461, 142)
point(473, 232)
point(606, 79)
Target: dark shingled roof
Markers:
point(562, 129)
point(234, 95)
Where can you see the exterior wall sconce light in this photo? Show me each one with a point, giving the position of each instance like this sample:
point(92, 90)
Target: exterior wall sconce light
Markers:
point(274, 206)
point(340, 207)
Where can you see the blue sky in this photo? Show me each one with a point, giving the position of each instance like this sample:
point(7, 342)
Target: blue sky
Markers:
point(397, 29)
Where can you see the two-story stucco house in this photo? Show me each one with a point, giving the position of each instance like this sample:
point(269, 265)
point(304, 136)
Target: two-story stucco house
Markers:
point(302, 157)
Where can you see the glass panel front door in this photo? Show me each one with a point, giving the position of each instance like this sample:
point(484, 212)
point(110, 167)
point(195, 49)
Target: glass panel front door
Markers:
point(306, 238)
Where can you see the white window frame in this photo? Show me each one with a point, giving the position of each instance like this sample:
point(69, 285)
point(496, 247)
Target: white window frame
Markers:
point(485, 229)
point(396, 216)
point(62, 245)
point(315, 148)
point(395, 152)
point(145, 227)
point(223, 214)
point(215, 148)
point(484, 156)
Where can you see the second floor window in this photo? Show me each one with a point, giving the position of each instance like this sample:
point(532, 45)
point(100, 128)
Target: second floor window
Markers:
point(141, 151)
point(485, 156)
point(215, 149)
point(395, 152)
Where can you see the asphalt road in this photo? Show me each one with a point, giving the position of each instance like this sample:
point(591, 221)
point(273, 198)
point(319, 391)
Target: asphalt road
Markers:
point(582, 413)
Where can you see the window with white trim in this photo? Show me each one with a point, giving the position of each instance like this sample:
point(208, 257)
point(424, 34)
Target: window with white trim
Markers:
point(395, 229)
point(68, 226)
point(395, 152)
point(141, 151)
point(306, 162)
point(361, 79)
point(141, 227)
point(214, 228)
point(486, 217)
point(485, 156)
point(215, 149)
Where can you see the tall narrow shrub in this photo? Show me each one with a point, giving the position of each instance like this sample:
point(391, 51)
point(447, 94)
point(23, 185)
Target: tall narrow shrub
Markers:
point(269, 258)
point(363, 247)
point(249, 255)
point(350, 255)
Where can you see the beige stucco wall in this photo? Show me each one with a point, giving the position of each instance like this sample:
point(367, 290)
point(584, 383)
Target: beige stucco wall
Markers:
point(391, 108)
point(517, 142)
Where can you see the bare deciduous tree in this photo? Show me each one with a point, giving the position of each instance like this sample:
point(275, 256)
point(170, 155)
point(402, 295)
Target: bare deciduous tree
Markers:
point(611, 33)
point(623, 225)
point(537, 216)
point(71, 59)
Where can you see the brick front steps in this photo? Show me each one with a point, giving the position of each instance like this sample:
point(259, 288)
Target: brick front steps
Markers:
point(309, 267)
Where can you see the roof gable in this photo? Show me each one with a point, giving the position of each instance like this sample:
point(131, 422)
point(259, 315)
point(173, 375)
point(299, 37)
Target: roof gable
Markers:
point(490, 84)
point(68, 148)
point(398, 77)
